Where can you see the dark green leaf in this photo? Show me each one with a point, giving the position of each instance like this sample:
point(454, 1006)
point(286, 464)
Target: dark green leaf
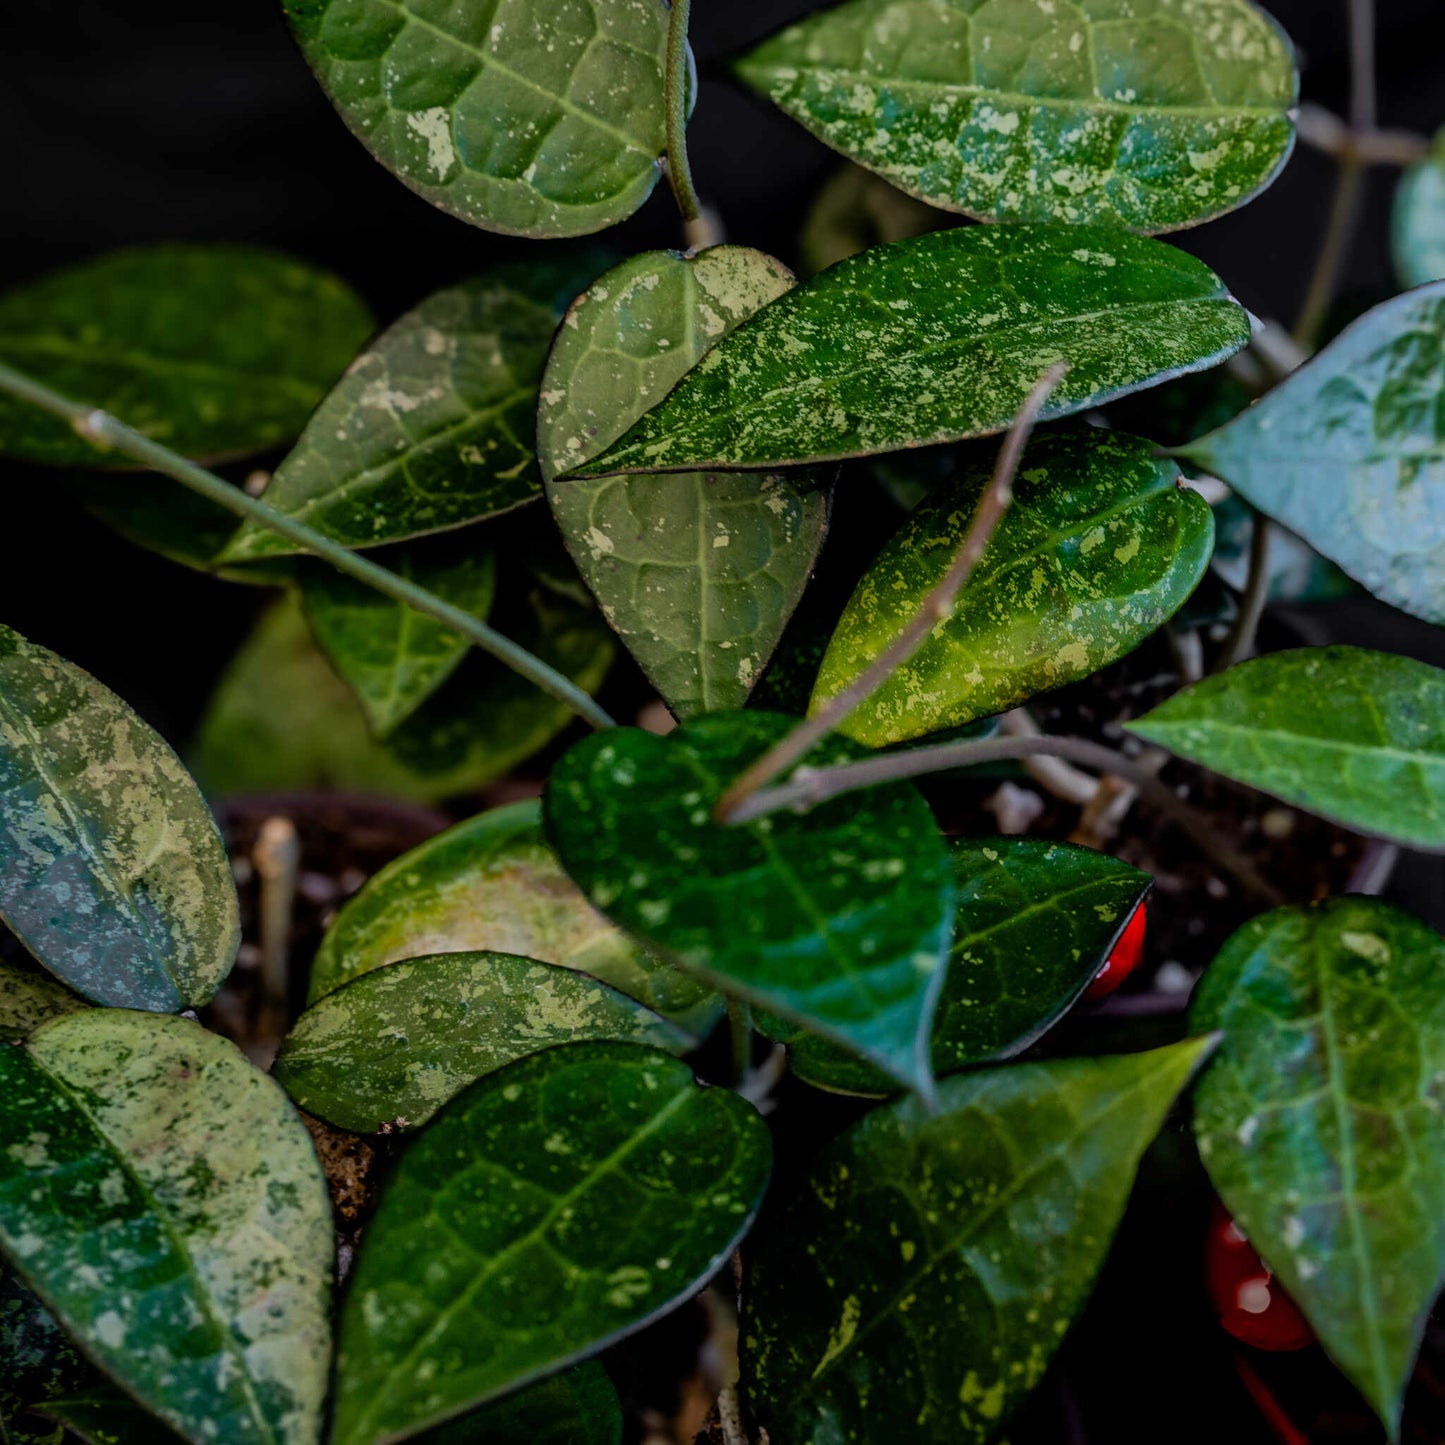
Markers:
point(1100, 547)
point(1355, 736)
point(212, 350)
point(855, 210)
point(1144, 117)
point(936, 339)
point(27, 998)
point(392, 1046)
point(917, 1285)
point(549, 1210)
point(102, 1415)
point(1419, 220)
point(163, 1199)
point(1349, 452)
point(838, 920)
point(1321, 1126)
point(542, 121)
point(112, 872)
point(577, 1407)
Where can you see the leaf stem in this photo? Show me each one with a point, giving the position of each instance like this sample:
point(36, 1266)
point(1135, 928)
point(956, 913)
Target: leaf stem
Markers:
point(104, 432)
point(1240, 642)
point(740, 1028)
point(676, 96)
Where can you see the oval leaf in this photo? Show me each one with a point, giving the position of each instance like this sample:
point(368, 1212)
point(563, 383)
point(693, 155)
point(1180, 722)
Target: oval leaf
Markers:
point(545, 121)
point(947, 1254)
point(28, 998)
point(394, 1045)
point(112, 872)
point(1355, 736)
point(1418, 229)
point(549, 1210)
point(1148, 118)
point(1349, 452)
point(936, 339)
point(1320, 1121)
point(838, 920)
point(1100, 547)
point(163, 1199)
point(212, 350)
point(577, 1407)
point(699, 573)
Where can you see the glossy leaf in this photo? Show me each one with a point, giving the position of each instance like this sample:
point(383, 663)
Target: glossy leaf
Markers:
point(1355, 736)
point(1320, 1121)
point(698, 573)
point(1147, 117)
point(549, 1210)
point(493, 885)
point(1349, 452)
point(1418, 229)
point(163, 1199)
point(1100, 547)
point(543, 121)
point(28, 998)
point(936, 339)
point(838, 920)
point(392, 1046)
point(918, 1283)
point(577, 1407)
point(112, 872)
point(212, 350)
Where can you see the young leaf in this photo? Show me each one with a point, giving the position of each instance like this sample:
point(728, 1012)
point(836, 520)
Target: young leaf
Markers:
point(1148, 118)
point(1349, 452)
point(549, 1210)
point(838, 920)
point(433, 426)
point(577, 1407)
point(544, 121)
point(1320, 1121)
point(28, 998)
point(917, 1284)
point(855, 210)
point(1418, 229)
point(213, 350)
point(699, 573)
point(492, 885)
point(395, 1044)
point(162, 1198)
point(112, 872)
point(936, 339)
point(1355, 736)
point(1100, 547)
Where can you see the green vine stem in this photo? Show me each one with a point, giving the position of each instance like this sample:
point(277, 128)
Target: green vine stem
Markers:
point(676, 96)
point(104, 432)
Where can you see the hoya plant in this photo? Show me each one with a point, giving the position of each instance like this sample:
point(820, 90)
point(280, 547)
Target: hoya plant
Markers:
point(742, 1023)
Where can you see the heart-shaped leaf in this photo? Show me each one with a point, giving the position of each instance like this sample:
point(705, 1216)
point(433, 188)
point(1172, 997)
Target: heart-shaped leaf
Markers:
point(28, 998)
point(839, 920)
point(1355, 736)
point(392, 1046)
point(577, 1407)
point(212, 350)
point(1419, 220)
point(1148, 118)
point(936, 339)
point(549, 1210)
point(1349, 452)
point(698, 573)
point(917, 1284)
point(541, 121)
point(112, 872)
point(163, 1199)
point(492, 885)
point(1321, 1126)
point(1100, 547)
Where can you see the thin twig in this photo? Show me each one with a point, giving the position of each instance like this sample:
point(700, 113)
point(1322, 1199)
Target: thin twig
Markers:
point(676, 96)
point(277, 857)
point(937, 608)
point(1326, 132)
point(1240, 642)
point(730, 1416)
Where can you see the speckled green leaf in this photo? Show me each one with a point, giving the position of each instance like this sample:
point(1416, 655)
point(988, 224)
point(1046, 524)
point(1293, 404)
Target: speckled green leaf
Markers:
point(549, 1210)
point(544, 119)
point(1035, 923)
point(28, 998)
point(213, 350)
point(492, 884)
point(393, 657)
point(1145, 116)
point(935, 339)
point(1321, 1126)
point(918, 1283)
point(1355, 736)
point(698, 573)
point(1100, 547)
point(1418, 229)
point(163, 1199)
point(112, 872)
point(392, 1046)
point(1349, 452)
point(577, 1407)
point(838, 920)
